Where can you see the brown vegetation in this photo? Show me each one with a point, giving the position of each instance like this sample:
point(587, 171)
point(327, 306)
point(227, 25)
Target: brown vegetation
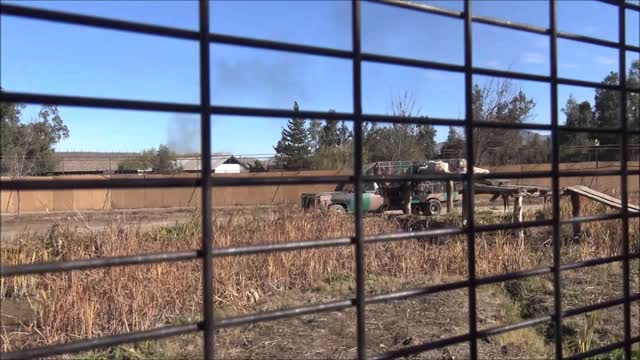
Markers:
point(56, 308)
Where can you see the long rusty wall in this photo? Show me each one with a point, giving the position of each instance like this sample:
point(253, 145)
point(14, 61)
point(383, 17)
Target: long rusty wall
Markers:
point(609, 184)
point(55, 200)
point(108, 199)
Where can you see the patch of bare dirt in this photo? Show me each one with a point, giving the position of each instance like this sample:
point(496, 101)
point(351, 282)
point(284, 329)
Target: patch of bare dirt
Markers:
point(389, 326)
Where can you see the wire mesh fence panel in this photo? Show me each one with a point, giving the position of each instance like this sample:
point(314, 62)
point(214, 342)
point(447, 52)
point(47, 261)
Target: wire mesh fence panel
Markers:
point(555, 310)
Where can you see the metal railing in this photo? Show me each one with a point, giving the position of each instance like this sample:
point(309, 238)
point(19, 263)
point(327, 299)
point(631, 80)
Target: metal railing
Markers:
point(107, 163)
point(61, 163)
point(208, 252)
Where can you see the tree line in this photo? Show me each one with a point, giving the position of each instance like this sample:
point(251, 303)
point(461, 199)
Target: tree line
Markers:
point(328, 144)
point(27, 145)
point(161, 160)
point(603, 114)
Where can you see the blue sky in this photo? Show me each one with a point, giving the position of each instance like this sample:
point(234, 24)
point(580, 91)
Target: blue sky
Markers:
point(75, 60)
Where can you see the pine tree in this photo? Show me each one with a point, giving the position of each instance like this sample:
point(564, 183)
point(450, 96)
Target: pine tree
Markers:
point(329, 136)
point(344, 134)
point(607, 105)
point(606, 109)
point(334, 150)
point(427, 139)
point(579, 115)
point(315, 134)
point(454, 146)
point(292, 151)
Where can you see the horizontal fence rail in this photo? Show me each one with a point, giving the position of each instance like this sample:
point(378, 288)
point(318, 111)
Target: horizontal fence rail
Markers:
point(208, 253)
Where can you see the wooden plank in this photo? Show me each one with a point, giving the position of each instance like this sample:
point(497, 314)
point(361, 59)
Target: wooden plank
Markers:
point(594, 192)
point(603, 198)
point(600, 197)
point(484, 189)
point(515, 190)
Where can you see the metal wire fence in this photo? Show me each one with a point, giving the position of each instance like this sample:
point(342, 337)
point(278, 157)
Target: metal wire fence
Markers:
point(109, 163)
point(208, 253)
point(106, 163)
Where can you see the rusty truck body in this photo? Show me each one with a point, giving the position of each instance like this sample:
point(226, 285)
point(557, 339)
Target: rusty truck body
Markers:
point(343, 199)
point(424, 197)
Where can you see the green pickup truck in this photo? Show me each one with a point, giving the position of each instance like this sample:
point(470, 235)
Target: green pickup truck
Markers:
point(343, 200)
point(425, 198)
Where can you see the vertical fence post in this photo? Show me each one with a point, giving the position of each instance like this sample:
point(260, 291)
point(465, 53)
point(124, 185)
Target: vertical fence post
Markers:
point(626, 282)
point(205, 173)
point(555, 180)
point(469, 192)
point(357, 171)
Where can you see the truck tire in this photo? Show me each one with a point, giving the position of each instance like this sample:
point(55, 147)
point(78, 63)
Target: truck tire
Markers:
point(433, 207)
point(337, 209)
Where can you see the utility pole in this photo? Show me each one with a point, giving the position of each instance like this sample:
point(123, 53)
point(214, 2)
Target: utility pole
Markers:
point(597, 143)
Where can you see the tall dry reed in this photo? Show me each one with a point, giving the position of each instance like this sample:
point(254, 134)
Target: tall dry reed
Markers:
point(70, 306)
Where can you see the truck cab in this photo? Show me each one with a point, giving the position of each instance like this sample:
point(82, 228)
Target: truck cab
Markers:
point(342, 199)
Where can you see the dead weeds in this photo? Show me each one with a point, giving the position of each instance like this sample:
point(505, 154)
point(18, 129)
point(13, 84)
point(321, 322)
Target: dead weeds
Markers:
point(77, 305)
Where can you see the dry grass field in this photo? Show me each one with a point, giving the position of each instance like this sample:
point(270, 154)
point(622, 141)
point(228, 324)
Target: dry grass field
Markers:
point(55, 308)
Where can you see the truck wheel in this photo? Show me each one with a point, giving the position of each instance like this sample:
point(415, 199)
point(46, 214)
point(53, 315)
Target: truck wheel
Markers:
point(433, 207)
point(336, 209)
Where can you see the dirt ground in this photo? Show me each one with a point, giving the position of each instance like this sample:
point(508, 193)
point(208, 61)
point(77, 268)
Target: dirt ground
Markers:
point(12, 225)
point(390, 326)
point(84, 220)
point(398, 324)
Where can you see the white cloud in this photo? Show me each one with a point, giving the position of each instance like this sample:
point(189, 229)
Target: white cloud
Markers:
point(494, 63)
point(533, 58)
point(604, 60)
point(569, 66)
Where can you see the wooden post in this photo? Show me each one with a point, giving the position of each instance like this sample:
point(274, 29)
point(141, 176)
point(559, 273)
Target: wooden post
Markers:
point(517, 215)
point(464, 208)
point(449, 196)
point(575, 212)
point(405, 193)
